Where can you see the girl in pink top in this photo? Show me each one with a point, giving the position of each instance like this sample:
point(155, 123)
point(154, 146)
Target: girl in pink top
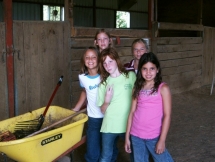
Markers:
point(150, 114)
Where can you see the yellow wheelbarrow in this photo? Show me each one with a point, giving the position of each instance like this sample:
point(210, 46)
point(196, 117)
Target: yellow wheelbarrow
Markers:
point(46, 146)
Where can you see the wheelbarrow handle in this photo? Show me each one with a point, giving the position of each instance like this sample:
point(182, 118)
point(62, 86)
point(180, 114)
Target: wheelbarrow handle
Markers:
point(56, 123)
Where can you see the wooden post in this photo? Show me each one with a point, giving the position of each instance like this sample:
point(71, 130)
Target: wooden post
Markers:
point(151, 13)
point(200, 12)
point(9, 51)
point(154, 37)
point(200, 16)
point(94, 13)
point(68, 11)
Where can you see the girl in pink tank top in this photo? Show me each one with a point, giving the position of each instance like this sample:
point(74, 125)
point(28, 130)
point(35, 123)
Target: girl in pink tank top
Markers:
point(150, 115)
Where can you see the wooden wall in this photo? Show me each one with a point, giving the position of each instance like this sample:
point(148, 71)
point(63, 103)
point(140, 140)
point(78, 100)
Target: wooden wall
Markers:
point(184, 64)
point(181, 57)
point(4, 112)
point(181, 62)
point(43, 51)
point(41, 56)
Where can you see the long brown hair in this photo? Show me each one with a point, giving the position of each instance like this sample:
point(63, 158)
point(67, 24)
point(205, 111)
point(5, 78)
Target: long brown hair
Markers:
point(112, 53)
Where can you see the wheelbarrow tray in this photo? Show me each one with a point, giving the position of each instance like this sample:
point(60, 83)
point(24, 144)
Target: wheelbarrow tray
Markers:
point(46, 146)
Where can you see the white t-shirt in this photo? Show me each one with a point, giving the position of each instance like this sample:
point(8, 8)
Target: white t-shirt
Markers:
point(91, 84)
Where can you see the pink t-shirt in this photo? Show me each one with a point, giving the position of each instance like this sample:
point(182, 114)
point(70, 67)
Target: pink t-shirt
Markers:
point(147, 119)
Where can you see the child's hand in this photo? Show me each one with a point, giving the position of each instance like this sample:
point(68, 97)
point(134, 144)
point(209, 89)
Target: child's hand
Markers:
point(127, 146)
point(109, 94)
point(107, 99)
point(160, 147)
point(75, 109)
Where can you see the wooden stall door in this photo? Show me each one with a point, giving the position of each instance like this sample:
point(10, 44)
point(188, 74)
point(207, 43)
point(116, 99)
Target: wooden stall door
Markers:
point(3, 79)
point(41, 57)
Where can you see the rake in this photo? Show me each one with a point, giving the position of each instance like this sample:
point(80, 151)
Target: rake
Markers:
point(24, 128)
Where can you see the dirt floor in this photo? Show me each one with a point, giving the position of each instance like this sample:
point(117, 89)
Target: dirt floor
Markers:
point(192, 132)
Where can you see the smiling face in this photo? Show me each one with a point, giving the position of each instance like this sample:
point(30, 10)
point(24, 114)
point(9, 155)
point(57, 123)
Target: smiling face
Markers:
point(110, 66)
point(149, 71)
point(139, 49)
point(91, 59)
point(102, 41)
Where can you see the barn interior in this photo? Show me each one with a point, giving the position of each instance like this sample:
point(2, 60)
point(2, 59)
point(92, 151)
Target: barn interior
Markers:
point(42, 40)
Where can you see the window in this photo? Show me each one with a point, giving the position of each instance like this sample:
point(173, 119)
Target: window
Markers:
point(122, 19)
point(53, 13)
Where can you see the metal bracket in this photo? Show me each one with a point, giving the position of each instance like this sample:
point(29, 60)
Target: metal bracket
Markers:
point(8, 51)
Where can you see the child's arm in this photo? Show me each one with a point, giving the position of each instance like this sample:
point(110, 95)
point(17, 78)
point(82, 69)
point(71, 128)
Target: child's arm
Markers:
point(167, 106)
point(81, 101)
point(107, 100)
point(130, 118)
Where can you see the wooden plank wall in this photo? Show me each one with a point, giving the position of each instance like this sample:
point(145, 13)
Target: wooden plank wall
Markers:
point(4, 112)
point(181, 57)
point(43, 51)
point(181, 62)
point(208, 65)
point(42, 55)
point(84, 37)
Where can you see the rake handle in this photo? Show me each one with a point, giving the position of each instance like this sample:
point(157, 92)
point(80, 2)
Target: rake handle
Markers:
point(56, 123)
point(53, 94)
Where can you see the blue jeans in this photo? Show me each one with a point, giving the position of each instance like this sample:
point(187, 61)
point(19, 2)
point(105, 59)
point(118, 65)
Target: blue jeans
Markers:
point(143, 147)
point(109, 146)
point(93, 139)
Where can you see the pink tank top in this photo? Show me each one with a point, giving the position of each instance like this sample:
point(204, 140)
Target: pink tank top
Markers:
point(147, 119)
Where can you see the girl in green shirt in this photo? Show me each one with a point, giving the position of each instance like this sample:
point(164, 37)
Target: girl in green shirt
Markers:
point(114, 98)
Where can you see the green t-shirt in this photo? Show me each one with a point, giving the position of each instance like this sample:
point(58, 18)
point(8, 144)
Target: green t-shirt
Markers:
point(116, 115)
